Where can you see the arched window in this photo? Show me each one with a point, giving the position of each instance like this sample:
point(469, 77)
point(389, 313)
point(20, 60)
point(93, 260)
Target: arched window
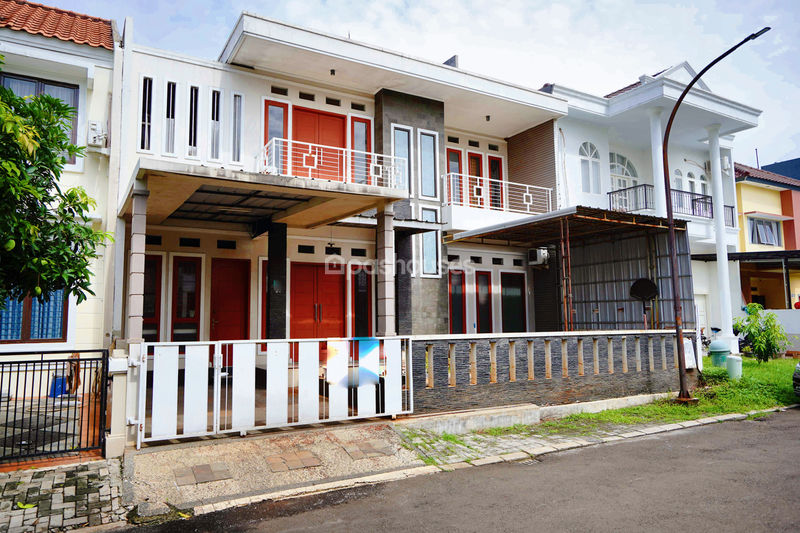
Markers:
point(590, 168)
point(691, 182)
point(704, 189)
point(623, 173)
point(677, 181)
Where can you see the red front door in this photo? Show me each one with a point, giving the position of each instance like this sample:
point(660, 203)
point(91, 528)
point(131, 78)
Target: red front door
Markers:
point(316, 301)
point(230, 299)
point(318, 128)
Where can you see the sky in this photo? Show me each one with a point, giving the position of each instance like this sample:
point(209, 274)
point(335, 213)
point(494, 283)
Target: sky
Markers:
point(593, 46)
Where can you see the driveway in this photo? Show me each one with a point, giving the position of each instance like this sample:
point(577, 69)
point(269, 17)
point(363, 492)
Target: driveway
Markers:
point(733, 476)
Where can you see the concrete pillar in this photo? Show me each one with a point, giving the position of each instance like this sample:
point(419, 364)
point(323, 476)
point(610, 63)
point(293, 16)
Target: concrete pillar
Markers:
point(723, 274)
point(657, 155)
point(384, 237)
point(136, 265)
point(117, 436)
point(276, 278)
point(404, 244)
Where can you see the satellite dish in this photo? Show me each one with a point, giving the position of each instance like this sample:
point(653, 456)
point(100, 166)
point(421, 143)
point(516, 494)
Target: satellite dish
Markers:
point(644, 289)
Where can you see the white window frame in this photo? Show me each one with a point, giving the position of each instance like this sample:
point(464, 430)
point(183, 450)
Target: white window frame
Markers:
point(615, 159)
point(164, 127)
point(140, 110)
point(198, 144)
point(593, 180)
point(234, 94)
point(421, 245)
point(437, 186)
point(410, 167)
point(754, 221)
point(210, 130)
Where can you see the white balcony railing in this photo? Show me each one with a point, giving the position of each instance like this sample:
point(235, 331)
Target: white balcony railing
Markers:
point(497, 195)
point(285, 157)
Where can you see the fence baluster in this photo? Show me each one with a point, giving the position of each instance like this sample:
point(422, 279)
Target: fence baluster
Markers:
point(531, 371)
point(512, 361)
point(548, 364)
point(580, 357)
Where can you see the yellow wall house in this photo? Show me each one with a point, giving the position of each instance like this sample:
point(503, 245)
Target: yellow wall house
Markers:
point(769, 204)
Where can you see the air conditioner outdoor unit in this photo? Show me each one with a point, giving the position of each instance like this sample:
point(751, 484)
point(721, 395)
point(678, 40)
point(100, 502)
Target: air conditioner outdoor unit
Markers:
point(538, 256)
point(97, 134)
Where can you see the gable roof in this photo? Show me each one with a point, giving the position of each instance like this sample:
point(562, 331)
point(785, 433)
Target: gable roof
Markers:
point(743, 172)
point(38, 19)
point(790, 167)
point(665, 73)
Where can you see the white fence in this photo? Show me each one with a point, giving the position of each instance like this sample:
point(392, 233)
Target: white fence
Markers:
point(498, 195)
point(285, 157)
point(194, 389)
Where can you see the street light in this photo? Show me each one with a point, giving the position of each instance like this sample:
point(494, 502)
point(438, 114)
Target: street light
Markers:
point(684, 392)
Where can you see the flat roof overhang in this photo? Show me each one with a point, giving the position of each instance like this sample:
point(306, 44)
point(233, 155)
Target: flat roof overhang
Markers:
point(777, 255)
point(304, 54)
point(541, 230)
point(194, 192)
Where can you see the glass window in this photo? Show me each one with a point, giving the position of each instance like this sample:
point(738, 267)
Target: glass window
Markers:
point(703, 185)
point(25, 86)
point(186, 299)
point(430, 245)
point(590, 168)
point(276, 129)
point(766, 232)
point(194, 96)
point(216, 120)
point(169, 130)
point(236, 123)
point(677, 183)
point(360, 144)
point(147, 113)
point(427, 150)
point(453, 162)
point(623, 173)
point(401, 147)
point(31, 320)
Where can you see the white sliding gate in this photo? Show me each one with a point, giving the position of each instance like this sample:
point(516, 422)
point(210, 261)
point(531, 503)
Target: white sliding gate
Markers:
point(192, 389)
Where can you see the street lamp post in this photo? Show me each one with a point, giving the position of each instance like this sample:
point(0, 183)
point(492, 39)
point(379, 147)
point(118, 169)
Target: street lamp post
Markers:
point(673, 256)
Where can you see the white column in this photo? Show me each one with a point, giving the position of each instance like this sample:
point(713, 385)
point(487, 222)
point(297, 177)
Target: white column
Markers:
point(657, 155)
point(723, 274)
point(384, 235)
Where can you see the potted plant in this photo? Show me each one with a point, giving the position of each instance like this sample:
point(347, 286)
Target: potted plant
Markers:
point(764, 336)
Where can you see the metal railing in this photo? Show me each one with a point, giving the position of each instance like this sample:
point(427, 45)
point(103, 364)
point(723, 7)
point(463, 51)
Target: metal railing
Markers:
point(631, 199)
point(52, 402)
point(284, 157)
point(498, 195)
point(641, 197)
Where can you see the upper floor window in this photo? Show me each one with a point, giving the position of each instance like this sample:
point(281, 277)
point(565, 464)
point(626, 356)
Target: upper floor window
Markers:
point(623, 173)
point(147, 113)
point(169, 117)
point(216, 121)
point(194, 97)
point(696, 184)
point(590, 168)
point(27, 86)
point(430, 245)
point(677, 181)
point(401, 147)
point(765, 232)
point(427, 164)
point(236, 124)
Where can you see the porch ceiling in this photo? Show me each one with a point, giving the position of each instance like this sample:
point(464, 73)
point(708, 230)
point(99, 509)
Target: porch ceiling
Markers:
point(541, 230)
point(193, 192)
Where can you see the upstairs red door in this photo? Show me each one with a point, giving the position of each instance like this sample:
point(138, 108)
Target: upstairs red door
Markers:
point(321, 130)
point(230, 299)
point(316, 301)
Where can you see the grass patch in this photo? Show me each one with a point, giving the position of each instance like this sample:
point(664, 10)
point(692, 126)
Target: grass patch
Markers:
point(449, 437)
point(516, 429)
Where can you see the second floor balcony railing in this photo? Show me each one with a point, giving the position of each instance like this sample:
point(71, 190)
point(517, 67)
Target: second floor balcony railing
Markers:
point(497, 195)
point(284, 157)
point(641, 197)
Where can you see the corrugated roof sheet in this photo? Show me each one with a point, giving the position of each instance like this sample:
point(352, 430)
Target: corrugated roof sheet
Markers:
point(49, 21)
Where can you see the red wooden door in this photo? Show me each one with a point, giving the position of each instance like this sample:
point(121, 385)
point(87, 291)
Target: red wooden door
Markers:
point(230, 299)
point(318, 128)
point(316, 301)
point(476, 192)
point(305, 161)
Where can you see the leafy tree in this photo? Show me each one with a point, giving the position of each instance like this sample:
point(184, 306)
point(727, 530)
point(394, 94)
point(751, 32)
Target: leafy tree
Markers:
point(764, 336)
point(46, 239)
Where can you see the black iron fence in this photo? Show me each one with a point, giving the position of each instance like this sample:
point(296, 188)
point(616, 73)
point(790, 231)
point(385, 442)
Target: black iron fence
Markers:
point(52, 402)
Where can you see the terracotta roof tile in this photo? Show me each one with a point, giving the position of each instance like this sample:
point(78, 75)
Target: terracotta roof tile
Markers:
point(743, 172)
point(49, 21)
point(631, 86)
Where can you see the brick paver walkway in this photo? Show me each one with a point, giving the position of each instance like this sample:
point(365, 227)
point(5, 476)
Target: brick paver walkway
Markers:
point(63, 497)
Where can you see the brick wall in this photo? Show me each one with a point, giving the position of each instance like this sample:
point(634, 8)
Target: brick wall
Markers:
point(532, 156)
point(541, 390)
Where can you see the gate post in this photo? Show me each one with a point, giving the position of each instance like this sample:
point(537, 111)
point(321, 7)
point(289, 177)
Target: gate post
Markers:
point(118, 372)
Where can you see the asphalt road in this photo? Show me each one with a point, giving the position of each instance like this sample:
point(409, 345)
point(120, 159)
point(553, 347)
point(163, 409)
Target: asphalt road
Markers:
point(734, 476)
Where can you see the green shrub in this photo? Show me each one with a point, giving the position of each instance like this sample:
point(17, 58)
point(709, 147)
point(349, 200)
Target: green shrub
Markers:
point(713, 376)
point(763, 334)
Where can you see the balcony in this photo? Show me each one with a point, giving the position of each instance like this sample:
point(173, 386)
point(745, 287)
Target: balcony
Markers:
point(641, 198)
point(284, 157)
point(473, 201)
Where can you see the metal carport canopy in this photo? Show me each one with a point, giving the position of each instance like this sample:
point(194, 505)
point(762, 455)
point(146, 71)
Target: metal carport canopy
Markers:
point(539, 230)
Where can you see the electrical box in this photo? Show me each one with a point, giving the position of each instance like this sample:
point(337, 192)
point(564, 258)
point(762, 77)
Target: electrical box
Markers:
point(97, 134)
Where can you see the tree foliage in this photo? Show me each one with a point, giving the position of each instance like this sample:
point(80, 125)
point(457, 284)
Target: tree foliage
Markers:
point(764, 336)
point(46, 239)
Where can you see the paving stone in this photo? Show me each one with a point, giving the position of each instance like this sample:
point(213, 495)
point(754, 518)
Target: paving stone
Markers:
point(487, 460)
point(515, 456)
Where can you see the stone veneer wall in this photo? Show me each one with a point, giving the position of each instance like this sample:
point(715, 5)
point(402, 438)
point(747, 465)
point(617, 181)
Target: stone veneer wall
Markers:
point(542, 390)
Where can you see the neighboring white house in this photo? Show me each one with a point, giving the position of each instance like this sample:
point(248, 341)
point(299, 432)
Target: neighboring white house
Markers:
point(70, 56)
point(610, 155)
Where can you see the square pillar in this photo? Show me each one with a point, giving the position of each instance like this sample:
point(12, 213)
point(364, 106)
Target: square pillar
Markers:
point(136, 264)
point(276, 279)
point(657, 156)
point(384, 237)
